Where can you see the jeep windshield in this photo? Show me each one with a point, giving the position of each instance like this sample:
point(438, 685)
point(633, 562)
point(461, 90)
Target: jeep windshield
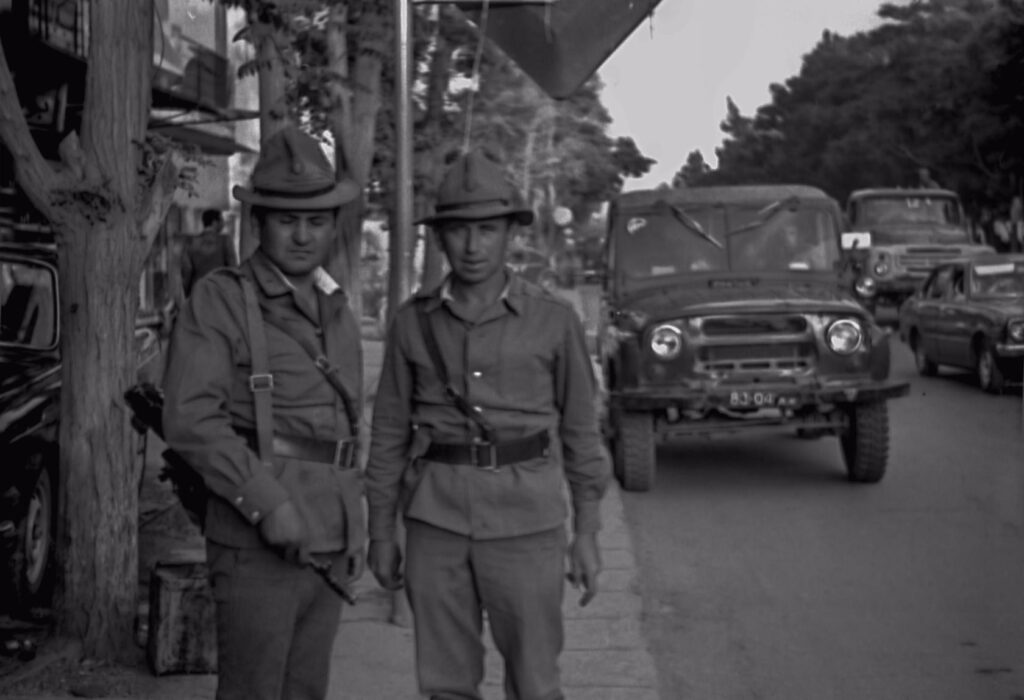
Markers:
point(708, 238)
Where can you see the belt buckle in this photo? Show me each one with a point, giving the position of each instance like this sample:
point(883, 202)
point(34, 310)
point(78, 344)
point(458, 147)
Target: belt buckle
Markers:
point(491, 465)
point(343, 452)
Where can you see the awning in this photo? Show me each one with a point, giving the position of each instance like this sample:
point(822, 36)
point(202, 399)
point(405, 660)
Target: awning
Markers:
point(561, 43)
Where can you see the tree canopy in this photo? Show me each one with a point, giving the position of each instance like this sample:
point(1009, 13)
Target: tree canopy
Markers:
point(939, 84)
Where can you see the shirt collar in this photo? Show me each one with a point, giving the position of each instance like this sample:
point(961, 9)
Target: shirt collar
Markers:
point(274, 282)
point(511, 294)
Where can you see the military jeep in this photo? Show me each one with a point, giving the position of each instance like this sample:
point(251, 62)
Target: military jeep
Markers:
point(724, 312)
point(897, 236)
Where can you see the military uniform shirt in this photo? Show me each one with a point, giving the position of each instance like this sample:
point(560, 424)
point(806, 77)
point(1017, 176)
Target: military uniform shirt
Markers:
point(524, 363)
point(207, 398)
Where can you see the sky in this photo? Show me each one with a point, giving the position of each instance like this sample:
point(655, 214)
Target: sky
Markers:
point(666, 85)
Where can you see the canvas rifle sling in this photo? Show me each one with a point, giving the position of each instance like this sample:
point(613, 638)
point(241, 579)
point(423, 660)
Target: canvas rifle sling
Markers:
point(261, 381)
point(464, 407)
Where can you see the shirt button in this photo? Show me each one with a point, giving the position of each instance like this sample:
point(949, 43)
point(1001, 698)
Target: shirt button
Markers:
point(238, 501)
point(255, 515)
point(318, 330)
point(477, 374)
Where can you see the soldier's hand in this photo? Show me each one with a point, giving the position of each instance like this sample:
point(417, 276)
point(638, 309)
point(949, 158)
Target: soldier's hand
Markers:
point(285, 530)
point(385, 560)
point(584, 565)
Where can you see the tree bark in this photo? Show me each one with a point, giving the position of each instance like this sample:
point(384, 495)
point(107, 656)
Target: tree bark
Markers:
point(105, 218)
point(355, 94)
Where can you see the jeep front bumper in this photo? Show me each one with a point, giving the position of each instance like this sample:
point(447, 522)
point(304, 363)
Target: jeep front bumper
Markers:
point(790, 397)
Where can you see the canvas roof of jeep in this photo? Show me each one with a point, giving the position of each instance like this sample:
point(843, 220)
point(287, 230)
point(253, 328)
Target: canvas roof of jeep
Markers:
point(641, 199)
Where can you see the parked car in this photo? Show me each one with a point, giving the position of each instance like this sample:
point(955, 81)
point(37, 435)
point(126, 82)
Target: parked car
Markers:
point(900, 235)
point(29, 413)
point(970, 314)
point(725, 313)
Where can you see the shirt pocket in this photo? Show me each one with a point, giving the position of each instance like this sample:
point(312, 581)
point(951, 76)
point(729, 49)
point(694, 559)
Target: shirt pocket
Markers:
point(525, 369)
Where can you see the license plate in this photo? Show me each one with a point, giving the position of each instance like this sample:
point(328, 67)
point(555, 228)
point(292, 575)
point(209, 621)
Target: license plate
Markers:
point(752, 399)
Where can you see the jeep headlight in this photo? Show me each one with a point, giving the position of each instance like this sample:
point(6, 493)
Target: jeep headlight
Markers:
point(1015, 331)
point(881, 268)
point(666, 341)
point(866, 287)
point(844, 336)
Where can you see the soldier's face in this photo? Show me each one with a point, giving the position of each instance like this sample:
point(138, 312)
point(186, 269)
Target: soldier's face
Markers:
point(476, 249)
point(297, 241)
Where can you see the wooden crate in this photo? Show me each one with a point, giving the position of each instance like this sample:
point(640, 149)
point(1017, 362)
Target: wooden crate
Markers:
point(182, 620)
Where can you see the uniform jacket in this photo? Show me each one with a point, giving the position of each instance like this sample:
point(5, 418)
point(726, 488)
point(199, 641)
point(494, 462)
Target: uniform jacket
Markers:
point(525, 364)
point(207, 398)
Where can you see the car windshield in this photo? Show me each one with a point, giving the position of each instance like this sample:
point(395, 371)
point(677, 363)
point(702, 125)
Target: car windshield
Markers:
point(28, 314)
point(684, 239)
point(907, 210)
point(1005, 280)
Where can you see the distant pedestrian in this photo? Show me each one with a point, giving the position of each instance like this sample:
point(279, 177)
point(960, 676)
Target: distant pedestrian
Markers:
point(211, 249)
point(263, 397)
point(485, 409)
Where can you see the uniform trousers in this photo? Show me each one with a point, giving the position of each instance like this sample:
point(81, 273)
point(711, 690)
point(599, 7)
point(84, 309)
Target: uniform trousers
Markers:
point(518, 582)
point(276, 624)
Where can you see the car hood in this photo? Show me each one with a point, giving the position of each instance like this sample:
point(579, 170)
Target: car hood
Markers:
point(915, 234)
point(1003, 307)
point(818, 293)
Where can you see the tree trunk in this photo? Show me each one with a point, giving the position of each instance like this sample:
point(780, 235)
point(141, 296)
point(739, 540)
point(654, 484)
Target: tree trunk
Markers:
point(105, 220)
point(353, 120)
point(98, 547)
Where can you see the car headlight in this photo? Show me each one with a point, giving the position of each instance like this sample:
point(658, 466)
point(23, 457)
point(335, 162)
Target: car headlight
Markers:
point(866, 287)
point(666, 341)
point(1015, 331)
point(881, 268)
point(844, 336)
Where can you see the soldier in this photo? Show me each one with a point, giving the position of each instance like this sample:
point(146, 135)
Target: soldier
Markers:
point(263, 389)
point(484, 410)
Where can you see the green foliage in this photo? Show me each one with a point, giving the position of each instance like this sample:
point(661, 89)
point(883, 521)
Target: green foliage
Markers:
point(940, 84)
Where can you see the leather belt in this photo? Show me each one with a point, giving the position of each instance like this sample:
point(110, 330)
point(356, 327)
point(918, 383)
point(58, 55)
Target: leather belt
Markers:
point(489, 455)
point(337, 453)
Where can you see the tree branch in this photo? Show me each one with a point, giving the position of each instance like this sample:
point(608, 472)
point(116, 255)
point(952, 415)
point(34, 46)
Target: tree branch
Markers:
point(33, 172)
point(156, 200)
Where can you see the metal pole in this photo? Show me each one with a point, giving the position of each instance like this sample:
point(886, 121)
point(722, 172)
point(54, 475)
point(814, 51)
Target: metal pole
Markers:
point(401, 234)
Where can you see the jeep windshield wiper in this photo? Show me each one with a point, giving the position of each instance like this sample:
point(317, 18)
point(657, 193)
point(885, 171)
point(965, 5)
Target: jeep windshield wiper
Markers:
point(767, 213)
point(694, 225)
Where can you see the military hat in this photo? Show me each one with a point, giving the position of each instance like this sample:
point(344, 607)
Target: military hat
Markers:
point(292, 172)
point(476, 188)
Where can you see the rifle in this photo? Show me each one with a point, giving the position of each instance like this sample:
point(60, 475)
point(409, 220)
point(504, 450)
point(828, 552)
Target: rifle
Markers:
point(147, 404)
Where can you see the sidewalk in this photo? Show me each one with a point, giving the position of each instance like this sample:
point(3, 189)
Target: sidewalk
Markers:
point(605, 655)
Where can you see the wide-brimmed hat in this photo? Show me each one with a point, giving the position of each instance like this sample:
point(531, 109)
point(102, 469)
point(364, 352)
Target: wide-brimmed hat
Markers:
point(292, 172)
point(475, 187)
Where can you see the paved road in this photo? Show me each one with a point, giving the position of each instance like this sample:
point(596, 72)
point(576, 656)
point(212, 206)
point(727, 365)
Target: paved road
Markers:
point(766, 575)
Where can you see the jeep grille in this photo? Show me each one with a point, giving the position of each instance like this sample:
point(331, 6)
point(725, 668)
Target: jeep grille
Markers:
point(782, 343)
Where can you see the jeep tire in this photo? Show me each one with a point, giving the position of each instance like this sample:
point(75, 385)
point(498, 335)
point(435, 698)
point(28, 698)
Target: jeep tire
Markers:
point(633, 452)
point(865, 442)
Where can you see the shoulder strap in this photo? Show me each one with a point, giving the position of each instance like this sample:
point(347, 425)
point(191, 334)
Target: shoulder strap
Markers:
point(464, 407)
point(261, 381)
point(330, 372)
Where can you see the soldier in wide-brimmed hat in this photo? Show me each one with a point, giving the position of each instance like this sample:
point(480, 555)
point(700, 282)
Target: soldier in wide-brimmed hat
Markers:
point(484, 410)
point(263, 394)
